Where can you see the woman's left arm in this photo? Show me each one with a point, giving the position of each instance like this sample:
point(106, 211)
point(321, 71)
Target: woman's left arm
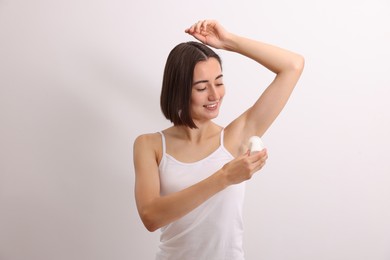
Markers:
point(286, 65)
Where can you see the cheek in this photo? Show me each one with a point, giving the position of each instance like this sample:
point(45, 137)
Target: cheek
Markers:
point(222, 92)
point(196, 98)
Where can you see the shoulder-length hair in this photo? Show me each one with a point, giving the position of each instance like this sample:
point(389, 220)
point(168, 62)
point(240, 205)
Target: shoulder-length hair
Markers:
point(175, 99)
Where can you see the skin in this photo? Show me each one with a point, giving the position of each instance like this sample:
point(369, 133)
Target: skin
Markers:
point(194, 144)
point(207, 91)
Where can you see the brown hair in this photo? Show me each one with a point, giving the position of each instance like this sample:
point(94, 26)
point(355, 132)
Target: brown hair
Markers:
point(177, 82)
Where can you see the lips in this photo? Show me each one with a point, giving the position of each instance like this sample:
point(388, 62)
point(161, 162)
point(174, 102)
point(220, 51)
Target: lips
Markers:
point(211, 106)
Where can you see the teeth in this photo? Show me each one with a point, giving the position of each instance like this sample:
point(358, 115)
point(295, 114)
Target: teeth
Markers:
point(211, 105)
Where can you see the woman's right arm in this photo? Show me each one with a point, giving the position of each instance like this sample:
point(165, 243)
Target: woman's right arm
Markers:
point(157, 211)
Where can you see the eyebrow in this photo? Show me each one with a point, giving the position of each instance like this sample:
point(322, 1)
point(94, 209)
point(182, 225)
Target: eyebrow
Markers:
point(205, 81)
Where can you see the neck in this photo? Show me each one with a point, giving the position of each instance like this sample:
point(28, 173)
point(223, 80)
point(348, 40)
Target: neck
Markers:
point(199, 134)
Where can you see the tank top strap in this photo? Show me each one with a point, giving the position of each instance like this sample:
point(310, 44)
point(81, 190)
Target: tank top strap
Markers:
point(221, 138)
point(163, 143)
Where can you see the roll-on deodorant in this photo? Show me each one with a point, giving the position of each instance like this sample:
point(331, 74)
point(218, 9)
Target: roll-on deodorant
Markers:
point(255, 144)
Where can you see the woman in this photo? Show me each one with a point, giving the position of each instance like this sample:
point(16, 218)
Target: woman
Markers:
point(190, 177)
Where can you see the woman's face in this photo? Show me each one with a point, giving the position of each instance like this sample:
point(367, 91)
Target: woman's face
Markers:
point(207, 90)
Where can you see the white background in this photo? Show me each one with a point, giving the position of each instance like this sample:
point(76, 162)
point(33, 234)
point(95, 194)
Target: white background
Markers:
point(79, 80)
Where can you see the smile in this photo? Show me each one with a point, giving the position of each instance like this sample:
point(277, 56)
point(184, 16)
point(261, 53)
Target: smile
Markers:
point(211, 106)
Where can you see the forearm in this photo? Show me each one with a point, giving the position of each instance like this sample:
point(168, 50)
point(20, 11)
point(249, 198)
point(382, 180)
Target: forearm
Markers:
point(276, 59)
point(166, 209)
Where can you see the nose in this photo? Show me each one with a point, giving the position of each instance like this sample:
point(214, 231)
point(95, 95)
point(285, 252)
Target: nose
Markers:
point(214, 94)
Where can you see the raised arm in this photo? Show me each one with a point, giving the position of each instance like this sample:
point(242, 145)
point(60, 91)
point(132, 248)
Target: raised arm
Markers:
point(286, 65)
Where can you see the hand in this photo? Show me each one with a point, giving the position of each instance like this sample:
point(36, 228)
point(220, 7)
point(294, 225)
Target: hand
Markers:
point(243, 167)
point(209, 32)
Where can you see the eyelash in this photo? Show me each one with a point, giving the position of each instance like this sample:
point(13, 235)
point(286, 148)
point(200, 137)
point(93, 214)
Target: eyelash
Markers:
point(203, 89)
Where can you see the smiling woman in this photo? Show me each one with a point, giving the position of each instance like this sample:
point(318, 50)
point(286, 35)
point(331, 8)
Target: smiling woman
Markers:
point(207, 90)
point(190, 178)
point(179, 77)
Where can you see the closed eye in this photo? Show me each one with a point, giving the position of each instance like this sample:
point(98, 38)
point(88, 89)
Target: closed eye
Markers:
point(201, 89)
point(218, 80)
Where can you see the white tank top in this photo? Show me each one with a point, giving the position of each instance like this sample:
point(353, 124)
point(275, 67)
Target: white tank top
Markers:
point(212, 231)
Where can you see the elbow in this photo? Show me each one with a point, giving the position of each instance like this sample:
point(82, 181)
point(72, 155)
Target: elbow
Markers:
point(298, 64)
point(151, 227)
point(294, 66)
point(150, 221)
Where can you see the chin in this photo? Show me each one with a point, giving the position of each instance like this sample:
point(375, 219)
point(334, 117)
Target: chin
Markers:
point(213, 116)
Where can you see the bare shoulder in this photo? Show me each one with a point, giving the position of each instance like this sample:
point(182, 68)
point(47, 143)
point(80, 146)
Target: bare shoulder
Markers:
point(147, 139)
point(148, 145)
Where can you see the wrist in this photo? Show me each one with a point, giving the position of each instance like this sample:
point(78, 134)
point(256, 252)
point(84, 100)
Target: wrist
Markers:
point(221, 179)
point(231, 42)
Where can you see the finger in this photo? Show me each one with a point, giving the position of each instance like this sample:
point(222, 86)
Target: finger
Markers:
point(258, 155)
point(205, 23)
point(191, 29)
point(209, 26)
point(259, 166)
point(198, 26)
